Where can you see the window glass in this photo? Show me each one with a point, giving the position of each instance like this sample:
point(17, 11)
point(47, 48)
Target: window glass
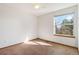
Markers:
point(64, 24)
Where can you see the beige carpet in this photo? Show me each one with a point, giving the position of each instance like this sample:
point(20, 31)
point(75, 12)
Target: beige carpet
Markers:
point(38, 47)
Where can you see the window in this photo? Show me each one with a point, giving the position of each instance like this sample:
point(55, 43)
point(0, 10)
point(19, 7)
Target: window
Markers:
point(64, 24)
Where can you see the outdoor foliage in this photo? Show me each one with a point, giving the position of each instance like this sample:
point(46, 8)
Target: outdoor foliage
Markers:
point(65, 27)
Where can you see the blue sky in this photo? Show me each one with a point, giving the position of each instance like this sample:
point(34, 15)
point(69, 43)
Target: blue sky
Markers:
point(59, 19)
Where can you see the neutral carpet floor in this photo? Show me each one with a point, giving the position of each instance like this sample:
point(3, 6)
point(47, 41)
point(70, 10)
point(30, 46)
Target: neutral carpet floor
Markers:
point(38, 47)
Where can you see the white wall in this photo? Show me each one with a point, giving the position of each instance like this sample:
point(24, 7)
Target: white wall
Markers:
point(78, 27)
point(46, 27)
point(16, 26)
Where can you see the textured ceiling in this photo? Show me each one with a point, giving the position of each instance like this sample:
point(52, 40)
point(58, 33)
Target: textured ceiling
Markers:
point(45, 7)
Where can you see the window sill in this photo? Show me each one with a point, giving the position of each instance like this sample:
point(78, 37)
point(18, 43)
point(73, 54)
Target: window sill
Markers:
point(69, 36)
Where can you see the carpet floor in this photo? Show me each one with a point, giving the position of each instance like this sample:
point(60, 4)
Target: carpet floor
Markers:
point(38, 47)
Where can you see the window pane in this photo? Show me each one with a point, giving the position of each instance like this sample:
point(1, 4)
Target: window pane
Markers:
point(64, 24)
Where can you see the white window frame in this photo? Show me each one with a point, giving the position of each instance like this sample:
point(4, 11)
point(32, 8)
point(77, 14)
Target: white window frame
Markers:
point(64, 12)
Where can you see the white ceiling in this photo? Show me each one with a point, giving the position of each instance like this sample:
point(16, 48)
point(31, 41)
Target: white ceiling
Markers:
point(46, 7)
